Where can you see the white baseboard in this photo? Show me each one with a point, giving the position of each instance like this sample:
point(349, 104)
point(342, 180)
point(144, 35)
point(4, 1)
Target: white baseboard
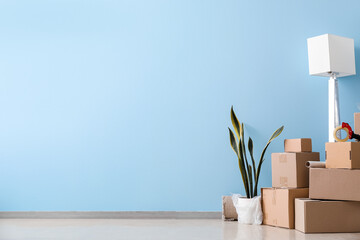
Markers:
point(109, 215)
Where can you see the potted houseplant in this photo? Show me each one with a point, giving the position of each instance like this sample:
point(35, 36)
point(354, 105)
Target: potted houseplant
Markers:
point(248, 207)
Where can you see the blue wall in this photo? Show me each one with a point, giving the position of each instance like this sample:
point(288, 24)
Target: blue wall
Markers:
point(124, 105)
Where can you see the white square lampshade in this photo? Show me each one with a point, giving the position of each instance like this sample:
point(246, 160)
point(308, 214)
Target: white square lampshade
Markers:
point(331, 54)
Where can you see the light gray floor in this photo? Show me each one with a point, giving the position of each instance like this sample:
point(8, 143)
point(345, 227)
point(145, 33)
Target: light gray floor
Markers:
point(158, 229)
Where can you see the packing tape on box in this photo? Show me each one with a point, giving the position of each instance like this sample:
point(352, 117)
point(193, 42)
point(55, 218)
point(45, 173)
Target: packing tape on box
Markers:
point(283, 181)
point(274, 197)
point(282, 158)
point(315, 164)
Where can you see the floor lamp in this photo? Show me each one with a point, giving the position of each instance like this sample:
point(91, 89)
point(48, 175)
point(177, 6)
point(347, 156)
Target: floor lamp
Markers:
point(331, 56)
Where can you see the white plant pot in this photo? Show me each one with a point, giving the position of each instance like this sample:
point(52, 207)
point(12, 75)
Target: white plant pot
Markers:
point(248, 209)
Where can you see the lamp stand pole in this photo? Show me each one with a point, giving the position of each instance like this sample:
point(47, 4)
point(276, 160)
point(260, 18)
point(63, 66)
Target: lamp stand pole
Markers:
point(334, 110)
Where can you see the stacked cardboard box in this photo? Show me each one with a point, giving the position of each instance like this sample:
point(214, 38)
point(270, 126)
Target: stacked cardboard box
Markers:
point(290, 180)
point(319, 216)
point(334, 204)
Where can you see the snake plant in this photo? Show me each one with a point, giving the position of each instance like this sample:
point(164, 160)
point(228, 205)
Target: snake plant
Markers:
point(249, 172)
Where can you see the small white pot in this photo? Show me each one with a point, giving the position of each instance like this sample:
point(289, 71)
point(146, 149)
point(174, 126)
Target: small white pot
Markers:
point(248, 209)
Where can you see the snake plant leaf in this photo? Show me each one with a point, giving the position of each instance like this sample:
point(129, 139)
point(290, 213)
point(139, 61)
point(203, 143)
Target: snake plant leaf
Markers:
point(250, 182)
point(242, 152)
point(276, 133)
point(250, 145)
point(242, 130)
point(262, 159)
point(245, 167)
point(233, 142)
point(235, 122)
point(251, 148)
point(243, 170)
point(242, 145)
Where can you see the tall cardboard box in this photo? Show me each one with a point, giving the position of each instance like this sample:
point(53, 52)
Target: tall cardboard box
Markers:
point(315, 216)
point(357, 123)
point(289, 170)
point(279, 207)
point(298, 145)
point(335, 184)
point(342, 155)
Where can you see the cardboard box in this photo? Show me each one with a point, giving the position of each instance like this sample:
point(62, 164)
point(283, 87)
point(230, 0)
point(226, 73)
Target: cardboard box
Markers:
point(298, 145)
point(342, 154)
point(334, 184)
point(289, 170)
point(279, 207)
point(357, 123)
point(315, 216)
point(228, 209)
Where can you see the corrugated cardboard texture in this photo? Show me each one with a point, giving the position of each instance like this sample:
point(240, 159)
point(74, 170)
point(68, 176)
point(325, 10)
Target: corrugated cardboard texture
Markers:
point(228, 209)
point(335, 184)
point(342, 154)
point(278, 205)
point(314, 216)
point(298, 145)
point(289, 170)
point(357, 123)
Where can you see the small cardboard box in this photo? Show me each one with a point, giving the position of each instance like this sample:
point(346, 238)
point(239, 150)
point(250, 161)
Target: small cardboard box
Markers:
point(357, 123)
point(342, 154)
point(334, 184)
point(228, 209)
point(315, 216)
point(289, 170)
point(279, 207)
point(298, 145)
